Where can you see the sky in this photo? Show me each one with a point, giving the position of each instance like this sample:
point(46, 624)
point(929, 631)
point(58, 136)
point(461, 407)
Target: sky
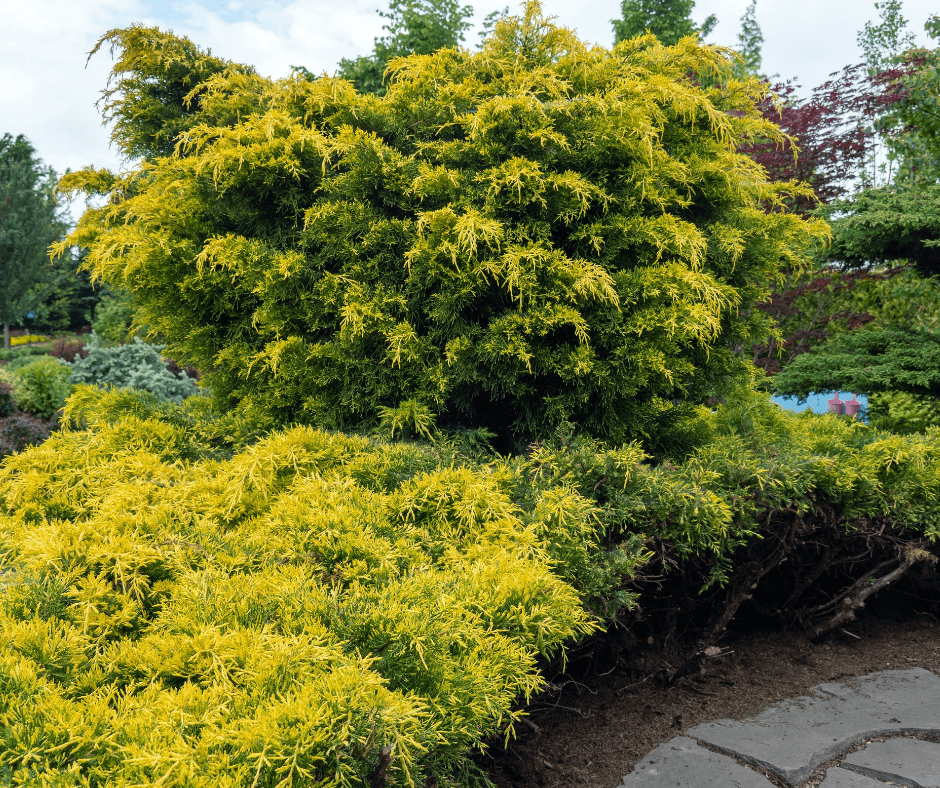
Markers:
point(48, 93)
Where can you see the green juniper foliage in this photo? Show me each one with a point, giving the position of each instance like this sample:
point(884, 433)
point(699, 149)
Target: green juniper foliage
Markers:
point(535, 233)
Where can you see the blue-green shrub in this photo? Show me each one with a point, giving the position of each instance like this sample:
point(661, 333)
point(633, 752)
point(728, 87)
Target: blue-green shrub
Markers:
point(136, 365)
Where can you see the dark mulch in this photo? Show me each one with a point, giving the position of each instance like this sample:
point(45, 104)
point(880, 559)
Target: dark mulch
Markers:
point(591, 729)
point(20, 430)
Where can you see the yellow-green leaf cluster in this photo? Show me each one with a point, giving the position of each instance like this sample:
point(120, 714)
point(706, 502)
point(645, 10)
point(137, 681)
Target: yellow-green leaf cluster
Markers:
point(536, 232)
point(276, 608)
point(271, 619)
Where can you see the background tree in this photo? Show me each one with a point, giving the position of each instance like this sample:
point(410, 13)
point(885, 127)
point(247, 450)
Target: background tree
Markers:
point(750, 42)
point(29, 223)
point(860, 128)
point(66, 298)
point(491, 239)
point(668, 20)
point(414, 26)
point(868, 361)
point(879, 226)
point(910, 122)
point(881, 42)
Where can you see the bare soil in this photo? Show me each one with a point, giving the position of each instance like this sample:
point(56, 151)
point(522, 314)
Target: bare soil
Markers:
point(594, 723)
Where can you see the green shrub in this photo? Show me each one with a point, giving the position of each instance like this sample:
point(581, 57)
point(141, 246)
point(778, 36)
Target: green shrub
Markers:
point(136, 365)
point(903, 412)
point(114, 315)
point(7, 403)
point(537, 232)
point(40, 385)
point(12, 354)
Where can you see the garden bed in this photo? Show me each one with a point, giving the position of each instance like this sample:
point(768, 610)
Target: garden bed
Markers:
point(598, 722)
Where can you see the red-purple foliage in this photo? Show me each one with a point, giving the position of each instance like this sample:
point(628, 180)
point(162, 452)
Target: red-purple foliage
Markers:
point(68, 349)
point(175, 368)
point(835, 130)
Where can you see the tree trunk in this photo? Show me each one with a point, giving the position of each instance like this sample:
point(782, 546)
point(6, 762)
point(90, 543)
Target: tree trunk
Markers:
point(6, 336)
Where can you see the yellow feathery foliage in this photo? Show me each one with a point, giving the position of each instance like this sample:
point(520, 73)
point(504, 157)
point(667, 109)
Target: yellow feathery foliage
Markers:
point(538, 232)
point(278, 610)
point(272, 619)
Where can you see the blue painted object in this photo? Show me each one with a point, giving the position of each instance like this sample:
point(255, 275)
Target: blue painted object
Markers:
point(818, 403)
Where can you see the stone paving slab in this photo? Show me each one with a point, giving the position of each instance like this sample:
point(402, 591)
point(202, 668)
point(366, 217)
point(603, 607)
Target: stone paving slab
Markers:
point(792, 738)
point(681, 763)
point(841, 778)
point(907, 762)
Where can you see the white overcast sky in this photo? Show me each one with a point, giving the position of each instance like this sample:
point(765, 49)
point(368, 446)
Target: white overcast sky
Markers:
point(48, 93)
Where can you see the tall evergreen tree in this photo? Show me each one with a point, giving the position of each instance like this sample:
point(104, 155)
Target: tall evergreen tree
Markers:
point(668, 20)
point(28, 225)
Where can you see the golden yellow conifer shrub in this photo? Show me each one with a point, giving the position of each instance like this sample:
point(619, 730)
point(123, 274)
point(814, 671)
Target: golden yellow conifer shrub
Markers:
point(531, 235)
point(536, 232)
point(179, 608)
point(275, 618)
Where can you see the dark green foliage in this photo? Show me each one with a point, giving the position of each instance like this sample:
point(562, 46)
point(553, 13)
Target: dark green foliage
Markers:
point(137, 365)
point(29, 223)
point(668, 20)
point(536, 233)
point(7, 404)
point(65, 298)
point(868, 361)
point(414, 27)
point(887, 224)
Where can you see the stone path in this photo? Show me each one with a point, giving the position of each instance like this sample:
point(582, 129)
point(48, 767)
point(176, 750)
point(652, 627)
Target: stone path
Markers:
point(792, 739)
